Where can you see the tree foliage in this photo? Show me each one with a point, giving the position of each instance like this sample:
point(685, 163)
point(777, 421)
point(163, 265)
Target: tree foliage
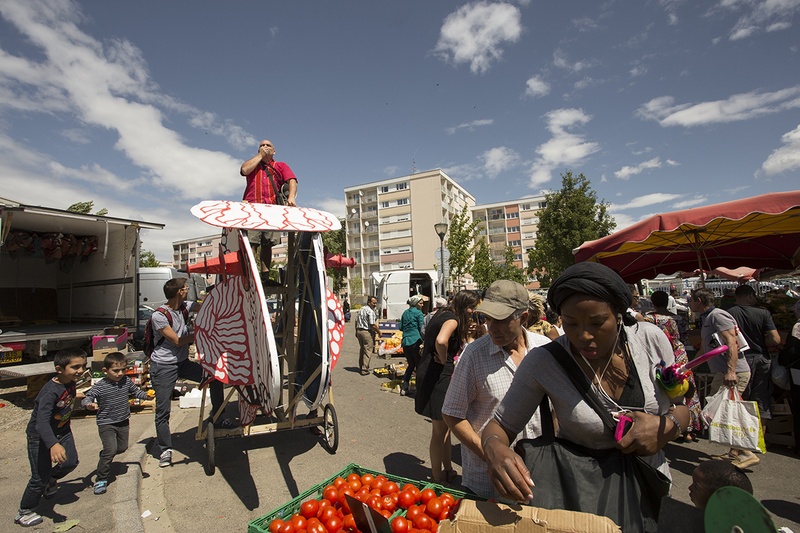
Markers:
point(508, 270)
point(335, 243)
point(85, 208)
point(148, 259)
point(461, 237)
point(572, 216)
point(483, 268)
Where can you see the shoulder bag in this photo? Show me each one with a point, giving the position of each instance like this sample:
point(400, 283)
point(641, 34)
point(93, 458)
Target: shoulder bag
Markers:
point(622, 487)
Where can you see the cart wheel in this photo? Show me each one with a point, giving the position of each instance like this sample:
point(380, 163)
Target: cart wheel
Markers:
point(211, 465)
point(330, 429)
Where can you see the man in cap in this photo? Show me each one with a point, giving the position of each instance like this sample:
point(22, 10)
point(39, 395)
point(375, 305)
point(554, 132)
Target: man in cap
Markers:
point(483, 375)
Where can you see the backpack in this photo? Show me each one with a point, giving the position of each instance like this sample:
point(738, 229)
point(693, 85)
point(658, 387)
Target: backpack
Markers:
point(149, 334)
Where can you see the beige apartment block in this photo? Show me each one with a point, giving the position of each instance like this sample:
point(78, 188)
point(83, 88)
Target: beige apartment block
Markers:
point(190, 251)
point(511, 223)
point(390, 223)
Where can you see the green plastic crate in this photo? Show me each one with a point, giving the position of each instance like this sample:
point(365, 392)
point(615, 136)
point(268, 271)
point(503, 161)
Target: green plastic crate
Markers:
point(261, 525)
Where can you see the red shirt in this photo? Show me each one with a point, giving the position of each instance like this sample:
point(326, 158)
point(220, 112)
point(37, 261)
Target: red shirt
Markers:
point(259, 187)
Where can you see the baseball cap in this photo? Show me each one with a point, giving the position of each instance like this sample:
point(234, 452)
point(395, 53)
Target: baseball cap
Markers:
point(502, 298)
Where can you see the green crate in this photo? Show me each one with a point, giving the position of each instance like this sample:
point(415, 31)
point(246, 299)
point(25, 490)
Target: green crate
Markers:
point(261, 525)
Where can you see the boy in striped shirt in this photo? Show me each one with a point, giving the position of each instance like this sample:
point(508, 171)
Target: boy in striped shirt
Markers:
point(109, 397)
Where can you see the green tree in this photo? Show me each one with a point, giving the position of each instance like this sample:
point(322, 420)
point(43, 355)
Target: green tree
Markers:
point(483, 270)
point(461, 237)
point(572, 216)
point(508, 270)
point(334, 242)
point(148, 259)
point(85, 208)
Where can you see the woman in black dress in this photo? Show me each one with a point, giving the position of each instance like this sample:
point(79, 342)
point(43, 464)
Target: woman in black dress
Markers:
point(444, 336)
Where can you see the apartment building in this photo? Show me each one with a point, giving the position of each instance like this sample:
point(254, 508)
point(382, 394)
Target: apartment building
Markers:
point(513, 222)
point(390, 222)
point(190, 251)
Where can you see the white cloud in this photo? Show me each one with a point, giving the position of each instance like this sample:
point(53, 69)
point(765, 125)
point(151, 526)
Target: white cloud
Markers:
point(465, 172)
point(626, 172)
point(645, 200)
point(563, 149)
point(335, 206)
point(623, 220)
point(690, 202)
point(106, 85)
point(469, 126)
point(497, 160)
point(584, 24)
point(671, 8)
point(475, 34)
point(561, 61)
point(742, 106)
point(760, 15)
point(391, 170)
point(785, 158)
point(536, 86)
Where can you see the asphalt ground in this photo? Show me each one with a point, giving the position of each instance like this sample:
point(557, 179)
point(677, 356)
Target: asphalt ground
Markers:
point(257, 474)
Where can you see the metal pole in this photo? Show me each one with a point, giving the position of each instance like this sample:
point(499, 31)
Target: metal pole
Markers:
point(441, 263)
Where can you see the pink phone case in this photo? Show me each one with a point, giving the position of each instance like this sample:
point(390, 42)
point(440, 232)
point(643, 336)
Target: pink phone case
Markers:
point(623, 425)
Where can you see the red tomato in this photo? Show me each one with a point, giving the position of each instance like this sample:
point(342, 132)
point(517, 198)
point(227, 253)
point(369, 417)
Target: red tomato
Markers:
point(447, 499)
point(426, 495)
point(367, 479)
point(389, 487)
point(287, 527)
point(326, 513)
point(386, 514)
point(323, 502)
point(413, 490)
point(338, 482)
point(354, 484)
point(375, 492)
point(413, 512)
point(423, 521)
point(309, 509)
point(399, 525)
point(298, 522)
point(444, 516)
point(378, 482)
point(435, 527)
point(343, 500)
point(434, 507)
point(406, 499)
point(349, 524)
point(388, 503)
point(275, 525)
point(301, 531)
point(317, 527)
point(374, 502)
point(334, 524)
point(353, 476)
point(331, 494)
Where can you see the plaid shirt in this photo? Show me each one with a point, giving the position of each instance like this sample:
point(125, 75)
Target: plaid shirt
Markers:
point(480, 380)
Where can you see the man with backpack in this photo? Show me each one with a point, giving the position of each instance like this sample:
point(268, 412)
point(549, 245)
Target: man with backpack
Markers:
point(170, 339)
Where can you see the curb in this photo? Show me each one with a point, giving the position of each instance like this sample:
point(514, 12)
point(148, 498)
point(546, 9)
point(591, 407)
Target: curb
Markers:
point(125, 508)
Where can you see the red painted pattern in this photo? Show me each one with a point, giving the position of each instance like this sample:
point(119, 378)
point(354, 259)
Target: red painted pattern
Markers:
point(264, 217)
point(335, 327)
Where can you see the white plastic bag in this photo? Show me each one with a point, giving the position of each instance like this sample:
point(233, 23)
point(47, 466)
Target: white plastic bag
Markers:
point(712, 404)
point(737, 424)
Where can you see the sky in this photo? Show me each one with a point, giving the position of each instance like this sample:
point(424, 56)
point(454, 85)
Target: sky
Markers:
point(150, 107)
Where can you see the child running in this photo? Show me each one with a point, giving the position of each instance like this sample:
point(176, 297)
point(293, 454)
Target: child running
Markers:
point(110, 397)
point(50, 436)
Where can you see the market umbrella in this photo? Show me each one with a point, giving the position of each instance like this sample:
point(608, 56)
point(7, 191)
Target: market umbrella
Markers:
point(758, 232)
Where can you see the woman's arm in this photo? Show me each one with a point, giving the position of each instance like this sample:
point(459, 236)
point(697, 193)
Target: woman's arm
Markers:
point(507, 471)
point(443, 341)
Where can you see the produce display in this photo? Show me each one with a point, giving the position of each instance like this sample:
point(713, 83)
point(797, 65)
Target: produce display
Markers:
point(409, 506)
point(391, 346)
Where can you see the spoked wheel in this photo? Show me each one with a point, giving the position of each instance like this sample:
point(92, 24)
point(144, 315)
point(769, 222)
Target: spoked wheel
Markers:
point(330, 429)
point(211, 464)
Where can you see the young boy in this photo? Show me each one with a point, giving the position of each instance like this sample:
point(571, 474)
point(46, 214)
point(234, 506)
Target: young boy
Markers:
point(49, 435)
point(110, 397)
point(713, 474)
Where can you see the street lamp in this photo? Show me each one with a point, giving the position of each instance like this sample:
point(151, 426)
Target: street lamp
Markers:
point(441, 229)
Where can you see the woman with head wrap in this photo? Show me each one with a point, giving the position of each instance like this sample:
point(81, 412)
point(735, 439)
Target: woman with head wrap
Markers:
point(618, 357)
point(444, 336)
point(411, 325)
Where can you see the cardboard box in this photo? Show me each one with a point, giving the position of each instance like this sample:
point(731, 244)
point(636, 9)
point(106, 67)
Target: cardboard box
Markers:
point(488, 517)
point(112, 340)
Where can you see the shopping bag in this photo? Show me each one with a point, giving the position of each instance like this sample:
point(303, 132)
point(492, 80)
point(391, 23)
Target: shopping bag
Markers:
point(737, 424)
point(712, 405)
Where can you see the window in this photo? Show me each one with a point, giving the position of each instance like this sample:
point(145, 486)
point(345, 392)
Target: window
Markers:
point(385, 188)
point(384, 204)
point(542, 205)
point(512, 229)
point(401, 186)
point(515, 243)
point(525, 207)
point(402, 201)
point(515, 214)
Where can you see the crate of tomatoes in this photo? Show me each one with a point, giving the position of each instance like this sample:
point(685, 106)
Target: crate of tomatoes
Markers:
point(406, 504)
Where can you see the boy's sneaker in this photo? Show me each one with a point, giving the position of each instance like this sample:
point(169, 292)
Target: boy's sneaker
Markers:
point(51, 488)
point(100, 486)
point(166, 459)
point(27, 518)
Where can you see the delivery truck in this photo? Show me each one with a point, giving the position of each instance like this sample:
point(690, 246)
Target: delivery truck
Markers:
point(393, 288)
point(64, 278)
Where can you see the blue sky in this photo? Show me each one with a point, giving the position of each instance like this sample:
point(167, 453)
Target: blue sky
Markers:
point(150, 107)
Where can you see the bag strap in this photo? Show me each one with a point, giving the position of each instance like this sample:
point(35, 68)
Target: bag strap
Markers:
point(548, 428)
point(580, 381)
point(268, 168)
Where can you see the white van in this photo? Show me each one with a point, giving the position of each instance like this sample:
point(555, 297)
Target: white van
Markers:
point(152, 280)
point(393, 289)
